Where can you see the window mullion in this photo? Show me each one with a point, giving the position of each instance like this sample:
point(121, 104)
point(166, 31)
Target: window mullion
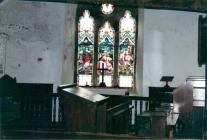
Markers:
point(116, 48)
point(95, 75)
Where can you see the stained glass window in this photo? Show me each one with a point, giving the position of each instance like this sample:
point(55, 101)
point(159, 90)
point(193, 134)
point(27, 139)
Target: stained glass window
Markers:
point(85, 49)
point(106, 38)
point(127, 33)
point(105, 50)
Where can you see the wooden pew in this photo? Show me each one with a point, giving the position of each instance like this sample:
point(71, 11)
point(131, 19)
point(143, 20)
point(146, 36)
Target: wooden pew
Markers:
point(9, 103)
point(118, 118)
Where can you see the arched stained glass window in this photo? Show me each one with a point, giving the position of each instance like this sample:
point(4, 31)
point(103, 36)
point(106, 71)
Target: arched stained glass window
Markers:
point(106, 39)
point(105, 51)
point(127, 33)
point(85, 49)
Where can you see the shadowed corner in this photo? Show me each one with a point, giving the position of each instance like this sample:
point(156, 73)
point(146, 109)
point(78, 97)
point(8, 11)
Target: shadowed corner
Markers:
point(2, 2)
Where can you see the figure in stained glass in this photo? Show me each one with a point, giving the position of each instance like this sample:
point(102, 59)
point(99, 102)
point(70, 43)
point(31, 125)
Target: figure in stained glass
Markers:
point(127, 35)
point(85, 57)
point(106, 51)
point(85, 49)
point(106, 38)
point(126, 60)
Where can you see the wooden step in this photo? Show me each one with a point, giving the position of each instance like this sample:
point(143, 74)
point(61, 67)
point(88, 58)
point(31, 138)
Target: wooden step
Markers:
point(59, 134)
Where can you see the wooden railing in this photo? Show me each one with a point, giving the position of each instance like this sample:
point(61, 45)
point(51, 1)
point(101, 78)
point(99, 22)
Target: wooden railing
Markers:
point(135, 106)
point(141, 104)
point(57, 113)
point(39, 106)
point(35, 110)
point(41, 113)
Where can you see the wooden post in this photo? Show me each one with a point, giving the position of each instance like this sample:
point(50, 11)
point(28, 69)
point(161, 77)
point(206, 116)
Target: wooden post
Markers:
point(205, 112)
point(140, 107)
point(135, 116)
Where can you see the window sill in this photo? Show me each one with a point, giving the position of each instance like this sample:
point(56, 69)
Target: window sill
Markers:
point(109, 90)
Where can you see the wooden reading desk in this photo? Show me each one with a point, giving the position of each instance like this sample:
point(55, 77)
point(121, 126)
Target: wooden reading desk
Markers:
point(84, 110)
point(87, 110)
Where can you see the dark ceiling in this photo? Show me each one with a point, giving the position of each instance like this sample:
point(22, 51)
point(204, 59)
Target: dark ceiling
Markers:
point(185, 5)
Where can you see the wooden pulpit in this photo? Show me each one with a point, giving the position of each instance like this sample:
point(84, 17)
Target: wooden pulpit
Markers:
point(84, 109)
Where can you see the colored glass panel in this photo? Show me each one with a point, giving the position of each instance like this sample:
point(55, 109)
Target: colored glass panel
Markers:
point(85, 49)
point(106, 53)
point(126, 56)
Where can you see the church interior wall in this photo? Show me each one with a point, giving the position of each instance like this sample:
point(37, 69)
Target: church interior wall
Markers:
point(36, 30)
point(41, 41)
point(170, 47)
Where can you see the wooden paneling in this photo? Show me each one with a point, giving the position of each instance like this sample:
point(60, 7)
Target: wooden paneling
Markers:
point(36, 104)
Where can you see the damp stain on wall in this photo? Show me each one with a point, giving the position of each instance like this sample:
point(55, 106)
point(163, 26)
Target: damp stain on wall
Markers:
point(39, 59)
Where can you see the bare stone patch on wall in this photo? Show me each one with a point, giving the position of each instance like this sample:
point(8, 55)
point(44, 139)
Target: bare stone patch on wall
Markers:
point(3, 42)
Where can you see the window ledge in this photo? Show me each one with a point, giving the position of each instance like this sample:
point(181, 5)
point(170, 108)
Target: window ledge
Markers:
point(109, 91)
